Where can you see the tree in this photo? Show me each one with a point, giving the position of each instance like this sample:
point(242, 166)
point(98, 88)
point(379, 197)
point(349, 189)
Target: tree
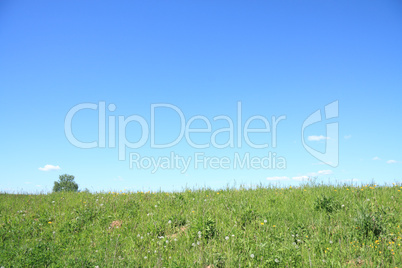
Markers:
point(66, 183)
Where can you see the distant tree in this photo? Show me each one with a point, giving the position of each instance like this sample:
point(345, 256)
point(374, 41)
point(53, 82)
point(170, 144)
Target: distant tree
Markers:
point(66, 183)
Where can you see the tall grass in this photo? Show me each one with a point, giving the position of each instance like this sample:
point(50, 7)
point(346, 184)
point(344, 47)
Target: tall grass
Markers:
point(308, 226)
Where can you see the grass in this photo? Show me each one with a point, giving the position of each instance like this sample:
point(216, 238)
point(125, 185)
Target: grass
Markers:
point(308, 226)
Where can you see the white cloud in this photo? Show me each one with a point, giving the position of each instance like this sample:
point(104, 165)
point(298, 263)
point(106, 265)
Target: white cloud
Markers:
point(300, 178)
point(324, 172)
point(49, 168)
point(347, 137)
point(278, 178)
point(317, 138)
point(376, 158)
point(392, 161)
point(118, 179)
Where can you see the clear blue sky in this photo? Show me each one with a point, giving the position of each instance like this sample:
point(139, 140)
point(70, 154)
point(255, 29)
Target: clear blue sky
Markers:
point(278, 58)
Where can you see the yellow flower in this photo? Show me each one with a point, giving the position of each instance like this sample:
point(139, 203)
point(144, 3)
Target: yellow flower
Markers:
point(192, 211)
point(262, 223)
point(217, 193)
point(50, 222)
point(274, 226)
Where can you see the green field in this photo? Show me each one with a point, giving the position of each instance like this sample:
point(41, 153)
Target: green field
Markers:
point(308, 226)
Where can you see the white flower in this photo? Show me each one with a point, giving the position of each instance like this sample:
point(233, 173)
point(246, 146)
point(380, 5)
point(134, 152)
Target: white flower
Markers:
point(156, 206)
point(95, 266)
point(167, 241)
point(199, 232)
point(227, 238)
point(198, 242)
point(265, 221)
point(142, 237)
point(276, 260)
point(330, 241)
point(145, 257)
point(252, 255)
point(169, 221)
point(193, 244)
point(343, 205)
point(138, 235)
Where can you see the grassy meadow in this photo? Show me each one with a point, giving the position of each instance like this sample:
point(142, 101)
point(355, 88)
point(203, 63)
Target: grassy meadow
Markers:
point(307, 226)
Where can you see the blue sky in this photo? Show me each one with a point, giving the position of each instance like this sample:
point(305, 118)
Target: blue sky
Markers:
point(275, 58)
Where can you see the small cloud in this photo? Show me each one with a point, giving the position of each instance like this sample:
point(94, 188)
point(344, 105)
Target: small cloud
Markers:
point(300, 178)
point(277, 178)
point(118, 179)
point(49, 168)
point(392, 161)
point(317, 138)
point(347, 137)
point(376, 158)
point(324, 172)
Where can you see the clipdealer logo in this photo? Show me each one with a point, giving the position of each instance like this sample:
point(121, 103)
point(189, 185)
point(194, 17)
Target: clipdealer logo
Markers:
point(112, 133)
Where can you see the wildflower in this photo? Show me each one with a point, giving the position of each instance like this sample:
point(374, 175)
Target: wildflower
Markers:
point(145, 257)
point(265, 221)
point(156, 206)
point(50, 222)
point(138, 235)
point(169, 221)
point(193, 244)
point(252, 256)
point(274, 226)
point(167, 241)
point(227, 237)
point(276, 260)
point(262, 223)
point(198, 242)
